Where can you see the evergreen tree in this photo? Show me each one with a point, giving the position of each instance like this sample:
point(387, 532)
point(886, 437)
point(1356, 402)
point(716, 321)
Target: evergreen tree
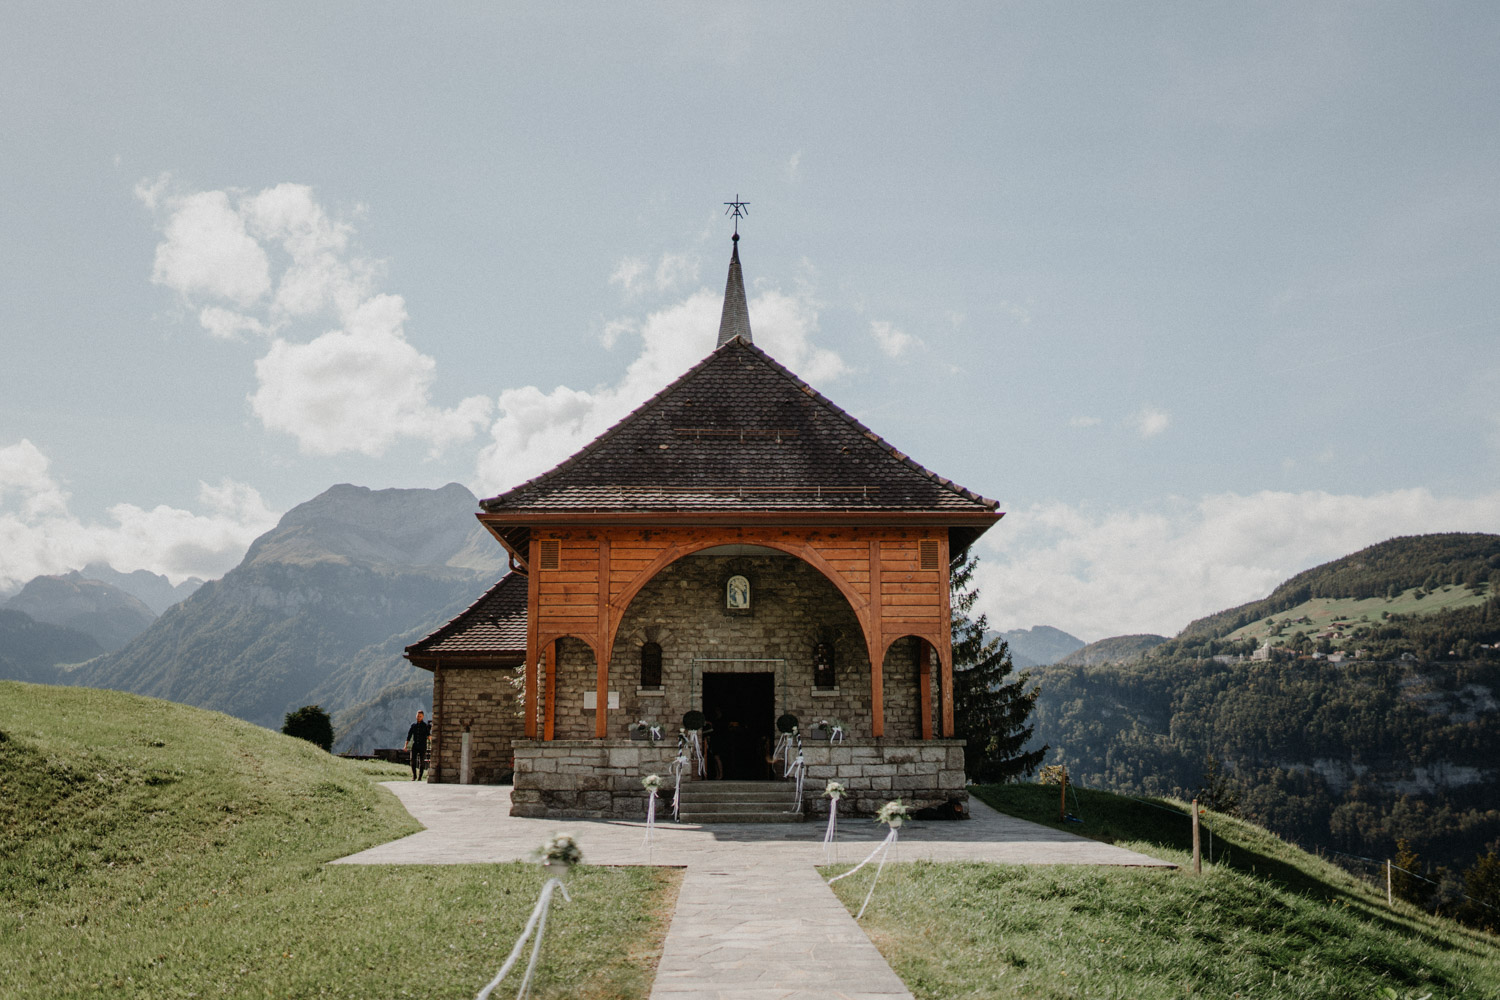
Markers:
point(310, 723)
point(990, 709)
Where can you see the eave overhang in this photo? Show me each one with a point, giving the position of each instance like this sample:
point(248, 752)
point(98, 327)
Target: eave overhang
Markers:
point(513, 528)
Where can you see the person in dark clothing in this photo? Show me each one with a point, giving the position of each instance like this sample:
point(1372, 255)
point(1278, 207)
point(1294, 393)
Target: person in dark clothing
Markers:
point(416, 744)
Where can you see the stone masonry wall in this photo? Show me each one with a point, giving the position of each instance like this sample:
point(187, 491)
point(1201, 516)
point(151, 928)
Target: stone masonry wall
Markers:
point(793, 607)
point(601, 779)
point(484, 700)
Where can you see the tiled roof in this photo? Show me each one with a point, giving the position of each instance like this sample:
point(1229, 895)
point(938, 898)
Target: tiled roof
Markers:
point(739, 431)
point(494, 625)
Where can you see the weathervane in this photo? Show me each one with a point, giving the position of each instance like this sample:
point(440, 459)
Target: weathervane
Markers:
point(738, 209)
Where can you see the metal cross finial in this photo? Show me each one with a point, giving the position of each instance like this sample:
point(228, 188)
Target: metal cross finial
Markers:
point(738, 209)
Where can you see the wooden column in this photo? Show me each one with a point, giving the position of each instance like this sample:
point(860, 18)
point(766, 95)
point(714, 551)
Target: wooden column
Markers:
point(531, 690)
point(601, 655)
point(924, 687)
point(877, 646)
point(550, 657)
point(945, 653)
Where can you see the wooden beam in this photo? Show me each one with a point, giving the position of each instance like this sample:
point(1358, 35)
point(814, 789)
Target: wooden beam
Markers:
point(924, 687)
point(877, 647)
point(551, 665)
point(601, 655)
point(530, 690)
point(945, 650)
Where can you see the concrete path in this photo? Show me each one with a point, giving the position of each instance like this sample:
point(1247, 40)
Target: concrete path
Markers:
point(754, 919)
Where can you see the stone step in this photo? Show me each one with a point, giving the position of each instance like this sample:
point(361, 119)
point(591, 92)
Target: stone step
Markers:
point(738, 802)
point(736, 805)
point(719, 795)
point(726, 817)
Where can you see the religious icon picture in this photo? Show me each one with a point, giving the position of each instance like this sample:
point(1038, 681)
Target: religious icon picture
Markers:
point(737, 594)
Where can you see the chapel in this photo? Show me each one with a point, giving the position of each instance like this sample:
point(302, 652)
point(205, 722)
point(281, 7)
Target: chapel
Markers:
point(739, 566)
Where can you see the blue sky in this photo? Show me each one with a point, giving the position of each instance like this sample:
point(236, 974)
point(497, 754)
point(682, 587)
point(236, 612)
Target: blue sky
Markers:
point(1203, 296)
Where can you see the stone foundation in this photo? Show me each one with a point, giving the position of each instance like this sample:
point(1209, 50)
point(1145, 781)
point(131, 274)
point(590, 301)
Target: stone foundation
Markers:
point(601, 779)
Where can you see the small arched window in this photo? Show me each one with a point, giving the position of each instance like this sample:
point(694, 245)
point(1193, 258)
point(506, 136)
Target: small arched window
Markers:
point(823, 675)
point(651, 665)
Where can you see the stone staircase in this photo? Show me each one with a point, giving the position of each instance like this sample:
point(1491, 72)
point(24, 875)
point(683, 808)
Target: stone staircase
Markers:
point(737, 802)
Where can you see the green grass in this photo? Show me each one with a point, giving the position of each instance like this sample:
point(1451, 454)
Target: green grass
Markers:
point(1264, 920)
point(148, 849)
point(1325, 611)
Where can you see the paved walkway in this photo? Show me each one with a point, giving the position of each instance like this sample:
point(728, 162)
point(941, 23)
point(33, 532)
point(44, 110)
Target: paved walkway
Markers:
point(784, 936)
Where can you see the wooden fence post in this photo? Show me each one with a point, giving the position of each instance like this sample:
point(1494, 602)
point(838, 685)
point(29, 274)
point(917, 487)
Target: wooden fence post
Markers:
point(1388, 900)
point(1197, 856)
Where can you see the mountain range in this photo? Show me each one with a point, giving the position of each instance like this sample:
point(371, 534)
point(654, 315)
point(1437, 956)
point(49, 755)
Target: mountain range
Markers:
point(318, 612)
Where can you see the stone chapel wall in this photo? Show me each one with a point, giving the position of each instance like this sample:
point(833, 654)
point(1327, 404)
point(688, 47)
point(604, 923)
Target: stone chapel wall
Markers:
point(793, 607)
point(484, 698)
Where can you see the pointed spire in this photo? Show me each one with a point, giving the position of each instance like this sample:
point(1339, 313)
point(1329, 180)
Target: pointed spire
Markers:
point(736, 319)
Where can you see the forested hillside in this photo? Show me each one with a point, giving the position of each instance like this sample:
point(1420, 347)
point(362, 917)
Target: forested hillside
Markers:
point(1349, 738)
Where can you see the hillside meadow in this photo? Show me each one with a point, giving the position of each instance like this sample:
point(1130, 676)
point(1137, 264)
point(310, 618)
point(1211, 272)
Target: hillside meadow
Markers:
point(1263, 920)
point(148, 849)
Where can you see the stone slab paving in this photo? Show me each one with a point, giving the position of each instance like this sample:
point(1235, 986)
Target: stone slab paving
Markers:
point(754, 919)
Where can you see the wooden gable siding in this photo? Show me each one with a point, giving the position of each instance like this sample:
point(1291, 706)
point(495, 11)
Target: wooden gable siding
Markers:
point(877, 569)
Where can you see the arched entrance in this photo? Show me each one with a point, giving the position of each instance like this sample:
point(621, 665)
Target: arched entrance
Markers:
point(742, 665)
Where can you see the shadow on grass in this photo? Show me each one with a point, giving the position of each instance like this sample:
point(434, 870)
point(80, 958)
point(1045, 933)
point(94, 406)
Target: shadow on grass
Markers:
point(1166, 824)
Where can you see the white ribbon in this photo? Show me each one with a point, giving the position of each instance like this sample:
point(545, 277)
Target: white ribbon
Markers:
point(883, 848)
point(783, 746)
point(655, 733)
point(677, 765)
point(538, 922)
point(800, 767)
point(650, 818)
point(833, 826)
point(698, 753)
point(836, 734)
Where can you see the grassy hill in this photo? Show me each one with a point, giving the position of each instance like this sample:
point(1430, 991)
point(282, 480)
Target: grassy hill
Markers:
point(1343, 616)
point(1391, 568)
point(1264, 919)
point(149, 849)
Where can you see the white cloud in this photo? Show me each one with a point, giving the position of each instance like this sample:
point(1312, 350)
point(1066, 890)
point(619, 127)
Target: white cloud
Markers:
point(635, 276)
point(892, 342)
point(290, 268)
point(207, 252)
point(628, 274)
point(675, 270)
point(39, 535)
point(535, 429)
point(359, 389)
point(1097, 573)
point(1082, 421)
point(1150, 421)
point(226, 324)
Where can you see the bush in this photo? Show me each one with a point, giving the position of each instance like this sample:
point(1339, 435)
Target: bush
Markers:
point(310, 723)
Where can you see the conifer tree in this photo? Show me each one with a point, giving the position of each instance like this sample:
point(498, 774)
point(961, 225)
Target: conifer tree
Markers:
point(990, 708)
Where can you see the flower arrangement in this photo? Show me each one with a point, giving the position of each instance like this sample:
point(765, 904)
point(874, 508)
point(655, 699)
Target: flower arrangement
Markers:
point(651, 782)
point(562, 849)
point(833, 790)
point(893, 814)
point(786, 723)
point(651, 729)
point(693, 720)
